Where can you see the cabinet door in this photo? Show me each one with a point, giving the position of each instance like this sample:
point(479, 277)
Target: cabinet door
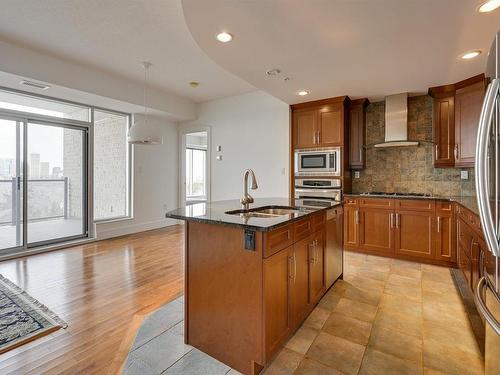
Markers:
point(357, 121)
point(331, 125)
point(464, 263)
point(376, 230)
point(445, 249)
point(468, 103)
point(415, 234)
point(300, 281)
point(277, 280)
point(444, 131)
point(305, 128)
point(351, 228)
point(317, 268)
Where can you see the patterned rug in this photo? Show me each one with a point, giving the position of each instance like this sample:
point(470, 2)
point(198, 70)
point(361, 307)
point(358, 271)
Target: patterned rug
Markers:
point(23, 318)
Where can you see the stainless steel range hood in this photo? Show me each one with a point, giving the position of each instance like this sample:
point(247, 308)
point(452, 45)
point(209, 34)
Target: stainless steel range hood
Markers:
point(396, 122)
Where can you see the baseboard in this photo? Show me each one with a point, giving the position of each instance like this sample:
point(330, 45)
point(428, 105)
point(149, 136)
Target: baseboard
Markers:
point(125, 229)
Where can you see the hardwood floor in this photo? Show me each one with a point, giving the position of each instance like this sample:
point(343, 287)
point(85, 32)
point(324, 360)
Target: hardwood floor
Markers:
point(97, 288)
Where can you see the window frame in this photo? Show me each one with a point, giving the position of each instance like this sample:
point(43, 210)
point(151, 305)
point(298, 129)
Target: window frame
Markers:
point(130, 178)
point(205, 188)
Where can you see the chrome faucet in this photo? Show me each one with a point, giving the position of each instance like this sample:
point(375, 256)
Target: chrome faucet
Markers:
point(247, 198)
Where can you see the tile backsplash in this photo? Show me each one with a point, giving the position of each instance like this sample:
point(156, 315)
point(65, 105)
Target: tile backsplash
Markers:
point(408, 169)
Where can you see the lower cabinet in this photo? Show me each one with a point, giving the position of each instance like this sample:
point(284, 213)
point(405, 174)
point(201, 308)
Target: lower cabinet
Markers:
point(317, 277)
point(299, 288)
point(413, 229)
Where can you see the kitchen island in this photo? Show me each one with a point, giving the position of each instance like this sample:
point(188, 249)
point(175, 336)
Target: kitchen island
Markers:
point(253, 276)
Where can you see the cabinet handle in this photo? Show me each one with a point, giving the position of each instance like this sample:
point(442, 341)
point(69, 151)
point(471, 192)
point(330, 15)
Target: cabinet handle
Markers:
point(319, 137)
point(294, 267)
point(314, 138)
point(397, 220)
point(391, 219)
point(361, 154)
point(316, 252)
point(436, 152)
point(290, 259)
point(439, 224)
point(455, 151)
point(356, 216)
point(312, 252)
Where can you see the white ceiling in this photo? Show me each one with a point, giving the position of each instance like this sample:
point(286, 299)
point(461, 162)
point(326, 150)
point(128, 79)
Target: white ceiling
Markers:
point(115, 36)
point(360, 48)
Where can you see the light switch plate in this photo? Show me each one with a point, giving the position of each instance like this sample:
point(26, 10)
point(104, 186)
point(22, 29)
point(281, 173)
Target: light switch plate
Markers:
point(356, 174)
point(219, 148)
point(464, 175)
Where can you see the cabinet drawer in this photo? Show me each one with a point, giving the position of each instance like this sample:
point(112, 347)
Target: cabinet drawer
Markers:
point(302, 229)
point(350, 202)
point(414, 205)
point(277, 240)
point(444, 207)
point(382, 203)
point(465, 214)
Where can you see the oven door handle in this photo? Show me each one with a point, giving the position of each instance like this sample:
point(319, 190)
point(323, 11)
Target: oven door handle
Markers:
point(314, 190)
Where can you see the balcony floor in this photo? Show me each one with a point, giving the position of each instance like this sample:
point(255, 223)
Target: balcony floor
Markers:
point(41, 231)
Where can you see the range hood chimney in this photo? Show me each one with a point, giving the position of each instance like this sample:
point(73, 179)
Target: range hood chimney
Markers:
point(396, 122)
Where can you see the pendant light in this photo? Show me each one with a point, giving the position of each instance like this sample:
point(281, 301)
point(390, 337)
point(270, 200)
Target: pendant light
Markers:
point(141, 132)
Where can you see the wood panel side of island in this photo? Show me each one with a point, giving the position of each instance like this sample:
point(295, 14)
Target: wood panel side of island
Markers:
point(224, 294)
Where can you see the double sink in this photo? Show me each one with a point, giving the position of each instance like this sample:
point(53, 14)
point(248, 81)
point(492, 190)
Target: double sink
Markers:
point(267, 211)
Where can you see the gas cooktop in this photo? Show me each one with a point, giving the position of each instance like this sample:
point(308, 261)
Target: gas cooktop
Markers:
point(397, 194)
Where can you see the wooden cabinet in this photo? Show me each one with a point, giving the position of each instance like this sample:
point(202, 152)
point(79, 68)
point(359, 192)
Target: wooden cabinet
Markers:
point(351, 224)
point(320, 123)
point(357, 133)
point(457, 108)
point(415, 233)
point(376, 230)
point(278, 271)
point(445, 232)
point(317, 267)
point(444, 131)
point(468, 103)
point(299, 288)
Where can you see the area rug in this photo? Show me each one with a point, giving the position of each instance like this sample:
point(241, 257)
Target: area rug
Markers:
point(23, 318)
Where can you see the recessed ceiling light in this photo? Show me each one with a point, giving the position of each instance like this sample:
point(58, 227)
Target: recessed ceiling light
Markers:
point(224, 37)
point(194, 84)
point(302, 92)
point(489, 6)
point(37, 85)
point(471, 54)
point(273, 72)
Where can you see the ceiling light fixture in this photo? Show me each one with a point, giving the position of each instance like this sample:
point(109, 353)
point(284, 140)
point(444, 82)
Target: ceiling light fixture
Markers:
point(302, 92)
point(224, 37)
point(489, 6)
point(194, 83)
point(141, 132)
point(273, 72)
point(471, 54)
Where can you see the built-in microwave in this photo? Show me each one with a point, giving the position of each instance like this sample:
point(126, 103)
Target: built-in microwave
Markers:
point(317, 162)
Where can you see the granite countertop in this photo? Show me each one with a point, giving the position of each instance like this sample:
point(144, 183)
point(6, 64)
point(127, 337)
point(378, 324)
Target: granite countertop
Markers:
point(215, 212)
point(468, 202)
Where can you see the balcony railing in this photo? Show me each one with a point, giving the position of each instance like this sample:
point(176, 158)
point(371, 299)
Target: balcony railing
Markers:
point(47, 199)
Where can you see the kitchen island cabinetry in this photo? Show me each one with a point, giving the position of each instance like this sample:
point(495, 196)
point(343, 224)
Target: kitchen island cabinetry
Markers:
point(251, 281)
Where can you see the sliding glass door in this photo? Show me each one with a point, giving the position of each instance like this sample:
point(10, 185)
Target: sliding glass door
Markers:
point(11, 181)
point(56, 193)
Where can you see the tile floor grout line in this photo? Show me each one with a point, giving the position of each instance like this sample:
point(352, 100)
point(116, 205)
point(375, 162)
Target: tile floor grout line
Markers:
point(151, 339)
point(189, 351)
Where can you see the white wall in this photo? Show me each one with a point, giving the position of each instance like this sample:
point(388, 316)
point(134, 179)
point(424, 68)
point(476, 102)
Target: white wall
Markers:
point(156, 184)
point(253, 130)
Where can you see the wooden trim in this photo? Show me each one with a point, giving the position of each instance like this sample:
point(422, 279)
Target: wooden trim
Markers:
point(316, 103)
point(470, 81)
point(449, 90)
point(362, 101)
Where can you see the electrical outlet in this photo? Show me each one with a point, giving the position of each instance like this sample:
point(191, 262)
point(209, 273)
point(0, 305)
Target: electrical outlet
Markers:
point(219, 157)
point(219, 148)
point(464, 175)
point(356, 174)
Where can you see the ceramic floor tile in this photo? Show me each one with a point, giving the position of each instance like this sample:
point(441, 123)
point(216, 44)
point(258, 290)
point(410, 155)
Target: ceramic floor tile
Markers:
point(451, 359)
point(197, 363)
point(137, 367)
point(329, 300)
point(378, 363)
point(309, 366)
point(397, 344)
point(407, 264)
point(431, 297)
point(357, 310)
point(404, 323)
point(412, 273)
point(365, 283)
point(162, 351)
point(335, 352)
point(379, 273)
point(403, 281)
point(302, 339)
point(158, 322)
point(285, 363)
point(234, 372)
point(438, 287)
point(348, 328)
point(451, 335)
point(369, 296)
point(446, 315)
point(414, 293)
point(317, 318)
point(442, 277)
point(401, 305)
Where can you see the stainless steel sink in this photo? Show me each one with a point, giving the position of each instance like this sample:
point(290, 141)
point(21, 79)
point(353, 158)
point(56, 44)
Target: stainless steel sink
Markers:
point(267, 211)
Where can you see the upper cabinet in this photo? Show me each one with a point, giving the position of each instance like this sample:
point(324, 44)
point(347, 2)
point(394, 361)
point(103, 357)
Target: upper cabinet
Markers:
point(457, 109)
point(357, 132)
point(320, 123)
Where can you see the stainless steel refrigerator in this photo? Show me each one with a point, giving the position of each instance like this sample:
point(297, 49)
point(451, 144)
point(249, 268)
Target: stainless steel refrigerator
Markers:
point(487, 292)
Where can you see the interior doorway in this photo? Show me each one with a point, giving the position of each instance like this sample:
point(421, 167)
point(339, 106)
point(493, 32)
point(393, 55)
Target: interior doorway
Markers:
point(194, 166)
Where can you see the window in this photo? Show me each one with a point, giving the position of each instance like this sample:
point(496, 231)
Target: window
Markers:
point(111, 165)
point(196, 174)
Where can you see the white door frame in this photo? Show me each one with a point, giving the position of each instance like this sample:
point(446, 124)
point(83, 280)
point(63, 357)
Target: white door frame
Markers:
point(182, 159)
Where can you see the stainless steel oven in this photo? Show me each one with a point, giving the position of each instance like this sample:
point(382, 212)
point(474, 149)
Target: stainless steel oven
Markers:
point(317, 162)
point(318, 188)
